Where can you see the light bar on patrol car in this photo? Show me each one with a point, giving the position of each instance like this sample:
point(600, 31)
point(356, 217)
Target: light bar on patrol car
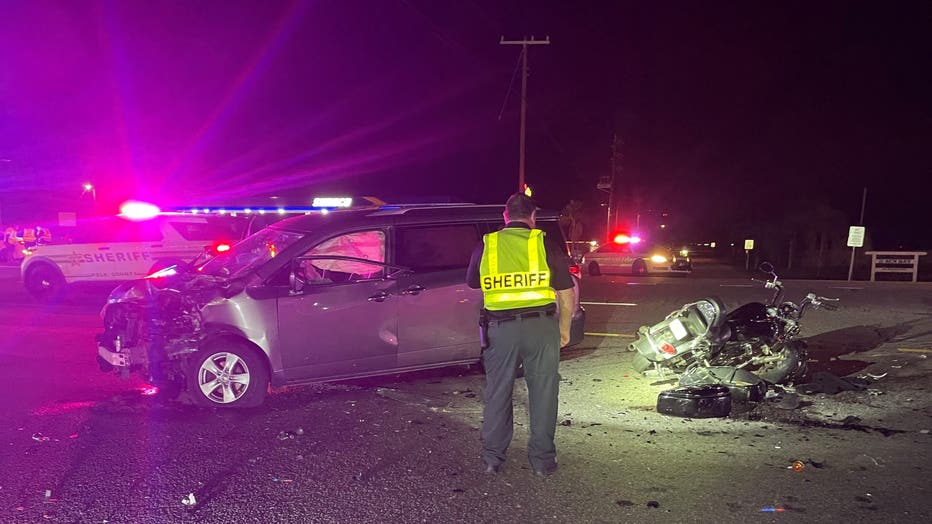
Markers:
point(135, 210)
point(332, 202)
point(625, 239)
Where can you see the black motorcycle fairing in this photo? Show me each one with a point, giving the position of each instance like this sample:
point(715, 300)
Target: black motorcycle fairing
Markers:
point(751, 321)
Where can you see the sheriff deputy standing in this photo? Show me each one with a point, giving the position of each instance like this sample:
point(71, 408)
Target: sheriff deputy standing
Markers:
point(522, 277)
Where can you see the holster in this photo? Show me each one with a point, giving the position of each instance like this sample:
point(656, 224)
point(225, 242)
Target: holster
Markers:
point(483, 329)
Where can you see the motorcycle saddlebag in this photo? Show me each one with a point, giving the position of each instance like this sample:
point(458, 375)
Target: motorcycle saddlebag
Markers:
point(708, 401)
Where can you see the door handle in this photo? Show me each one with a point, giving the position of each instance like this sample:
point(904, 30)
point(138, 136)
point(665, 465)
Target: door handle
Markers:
point(414, 290)
point(379, 297)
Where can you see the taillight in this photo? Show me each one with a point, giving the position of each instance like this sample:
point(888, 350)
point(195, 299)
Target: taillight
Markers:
point(222, 247)
point(575, 271)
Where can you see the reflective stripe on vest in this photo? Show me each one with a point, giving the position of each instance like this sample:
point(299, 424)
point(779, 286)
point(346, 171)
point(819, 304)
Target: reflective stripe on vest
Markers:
point(514, 272)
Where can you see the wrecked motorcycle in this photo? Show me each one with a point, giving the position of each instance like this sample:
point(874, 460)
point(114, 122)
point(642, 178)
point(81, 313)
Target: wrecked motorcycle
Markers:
point(756, 337)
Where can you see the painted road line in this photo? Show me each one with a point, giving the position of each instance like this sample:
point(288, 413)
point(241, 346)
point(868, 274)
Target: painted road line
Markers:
point(622, 335)
point(737, 285)
point(629, 304)
point(914, 350)
point(641, 283)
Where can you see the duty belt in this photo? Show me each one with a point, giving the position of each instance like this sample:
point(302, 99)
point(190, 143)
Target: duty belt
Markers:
point(527, 314)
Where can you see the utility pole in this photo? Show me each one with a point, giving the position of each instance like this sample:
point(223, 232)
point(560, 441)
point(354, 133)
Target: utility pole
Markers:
point(607, 184)
point(523, 43)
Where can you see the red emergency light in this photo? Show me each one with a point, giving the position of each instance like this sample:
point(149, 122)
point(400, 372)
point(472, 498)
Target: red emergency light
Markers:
point(625, 239)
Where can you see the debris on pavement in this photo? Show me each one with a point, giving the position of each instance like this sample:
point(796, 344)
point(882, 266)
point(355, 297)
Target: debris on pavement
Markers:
point(624, 503)
point(39, 437)
point(824, 382)
point(653, 504)
point(788, 401)
point(797, 466)
point(189, 500)
point(285, 435)
point(401, 396)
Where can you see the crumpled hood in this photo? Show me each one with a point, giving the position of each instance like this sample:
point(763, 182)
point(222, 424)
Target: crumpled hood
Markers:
point(204, 287)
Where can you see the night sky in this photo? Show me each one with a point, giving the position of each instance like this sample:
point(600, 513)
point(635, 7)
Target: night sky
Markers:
point(726, 112)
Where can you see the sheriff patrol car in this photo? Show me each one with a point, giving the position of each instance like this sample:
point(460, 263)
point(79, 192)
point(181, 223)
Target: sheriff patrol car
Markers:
point(117, 248)
point(628, 254)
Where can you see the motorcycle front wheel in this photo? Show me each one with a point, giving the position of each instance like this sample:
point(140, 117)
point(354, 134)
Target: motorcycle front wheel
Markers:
point(792, 367)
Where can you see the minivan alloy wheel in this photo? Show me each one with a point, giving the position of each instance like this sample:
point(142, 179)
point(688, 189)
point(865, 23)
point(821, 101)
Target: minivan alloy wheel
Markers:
point(223, 377)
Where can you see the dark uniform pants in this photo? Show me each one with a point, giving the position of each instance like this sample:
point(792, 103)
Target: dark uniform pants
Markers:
point(535, 342)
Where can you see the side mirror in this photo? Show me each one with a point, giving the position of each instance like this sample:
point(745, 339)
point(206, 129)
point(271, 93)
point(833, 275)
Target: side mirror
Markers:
point(766, 267)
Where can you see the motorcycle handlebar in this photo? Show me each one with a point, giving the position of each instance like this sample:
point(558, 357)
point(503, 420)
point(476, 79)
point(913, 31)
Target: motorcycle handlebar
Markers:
point(823, 302)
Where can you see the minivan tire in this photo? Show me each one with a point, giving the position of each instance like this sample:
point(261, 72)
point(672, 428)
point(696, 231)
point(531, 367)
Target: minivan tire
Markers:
point(228, 374)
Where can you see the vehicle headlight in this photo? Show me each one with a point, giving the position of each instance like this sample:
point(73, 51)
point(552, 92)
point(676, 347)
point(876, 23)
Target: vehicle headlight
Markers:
point(658, 259)
point(684, 252)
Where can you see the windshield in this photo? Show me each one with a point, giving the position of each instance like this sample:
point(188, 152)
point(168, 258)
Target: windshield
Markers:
point(251, 253)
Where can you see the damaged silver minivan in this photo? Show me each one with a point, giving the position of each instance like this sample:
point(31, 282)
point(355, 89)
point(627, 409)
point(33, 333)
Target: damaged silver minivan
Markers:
point(314, 298)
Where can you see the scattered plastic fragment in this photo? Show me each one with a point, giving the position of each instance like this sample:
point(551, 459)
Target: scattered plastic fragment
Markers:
point(189, 500)
point(566, 422)
point(653, 504)
point(39, 437)
point(772, 509)
point(285, 435)
point(299, 431)
point(148, 390)
point(924, 431)
point(876, 377)
point(73, 435)
point(798, 466)
point(283, 481)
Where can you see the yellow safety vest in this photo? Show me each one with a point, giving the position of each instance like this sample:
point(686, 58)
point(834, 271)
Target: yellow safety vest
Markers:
point(514, 272)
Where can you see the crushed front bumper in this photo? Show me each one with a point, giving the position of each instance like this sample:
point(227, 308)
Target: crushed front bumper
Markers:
point(120, 360)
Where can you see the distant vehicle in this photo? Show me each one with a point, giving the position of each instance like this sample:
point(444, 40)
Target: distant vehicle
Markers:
point(117, 248)
point(629, 255)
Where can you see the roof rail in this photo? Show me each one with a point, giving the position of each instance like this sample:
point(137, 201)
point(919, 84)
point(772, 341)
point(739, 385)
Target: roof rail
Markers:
point(400, 209)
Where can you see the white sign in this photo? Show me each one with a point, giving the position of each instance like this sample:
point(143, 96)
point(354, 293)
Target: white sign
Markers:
point(332, 202)
point(748, 244)
point(856, 236)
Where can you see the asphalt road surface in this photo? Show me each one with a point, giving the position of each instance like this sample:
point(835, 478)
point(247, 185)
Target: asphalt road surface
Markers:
point(78, 445)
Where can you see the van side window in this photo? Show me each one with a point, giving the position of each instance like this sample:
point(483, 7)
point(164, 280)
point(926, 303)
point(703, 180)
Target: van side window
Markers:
point(436, 248)
point(367, 245)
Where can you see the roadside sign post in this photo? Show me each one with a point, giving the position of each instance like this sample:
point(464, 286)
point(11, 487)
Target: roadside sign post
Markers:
point(748, 246)
point(855, 240)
